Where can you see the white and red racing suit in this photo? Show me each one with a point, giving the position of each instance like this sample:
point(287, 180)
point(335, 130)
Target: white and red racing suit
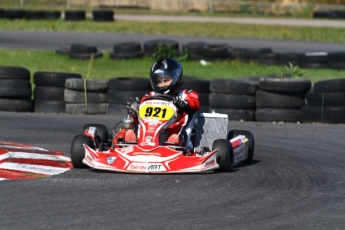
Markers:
point(192, 98)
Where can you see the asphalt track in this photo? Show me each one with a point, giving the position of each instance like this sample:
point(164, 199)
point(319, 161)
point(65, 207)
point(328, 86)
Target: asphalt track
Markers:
point(104, 41)
point(296, 181)
point(40, 40)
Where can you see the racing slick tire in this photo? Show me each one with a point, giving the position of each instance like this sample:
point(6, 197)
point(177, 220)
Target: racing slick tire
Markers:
point(225, 156)
point(78, 151)
point(250, 136)
point(102, 131)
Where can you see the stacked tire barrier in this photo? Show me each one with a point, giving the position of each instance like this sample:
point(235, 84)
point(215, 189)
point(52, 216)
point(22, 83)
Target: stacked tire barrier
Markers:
point(235, 97)
point(103, 15)
point(75, 15)
point(250, 55)
point(281, 99)
point(82, 51)
point(210, 52)
point(152, 46)
point(52, 15)
point(49, 91)
point(315, 60)
point(121, 89)
point(15, 89)
point(194, 49)
point(84, 96)
point(215, 52)
point(331, 14)
point(336, 60)
point(326, 103)
point(126, 50)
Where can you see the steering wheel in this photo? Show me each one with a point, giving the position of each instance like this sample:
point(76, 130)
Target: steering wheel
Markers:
point(164, 97)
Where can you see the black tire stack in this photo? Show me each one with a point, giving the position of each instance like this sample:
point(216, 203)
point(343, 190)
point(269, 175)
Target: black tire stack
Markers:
point(82, 51)
point(269, 59)
point(14, 13)
point(126, 50)
point(120, 91)
point(194, 50)
point(235, 97)
point(49, 91)
point(252, 55)
point(215, 52)
point(281, 99)
point(103, 15)
point(15, 89)
point(336, 60)
point(34, 14)
point(293, 58)
point(331, 14)
point(52, 15)
point(75, 15)
point(315, 60)
point(152, 46)
point(326, 103)
point(202, 87)
point(93, 100)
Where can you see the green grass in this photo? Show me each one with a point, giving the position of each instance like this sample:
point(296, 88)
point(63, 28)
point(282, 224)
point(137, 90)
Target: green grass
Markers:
point(108, 68)
point(182, 28)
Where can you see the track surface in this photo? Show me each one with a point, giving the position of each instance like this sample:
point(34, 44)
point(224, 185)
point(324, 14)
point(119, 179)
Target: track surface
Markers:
point(40, 40)
point(297, 181)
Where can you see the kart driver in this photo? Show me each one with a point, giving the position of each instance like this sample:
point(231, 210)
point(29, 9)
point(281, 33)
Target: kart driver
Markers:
point(166, 76)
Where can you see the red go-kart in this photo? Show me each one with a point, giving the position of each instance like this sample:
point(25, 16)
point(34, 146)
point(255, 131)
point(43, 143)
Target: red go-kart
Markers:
point(148, 149)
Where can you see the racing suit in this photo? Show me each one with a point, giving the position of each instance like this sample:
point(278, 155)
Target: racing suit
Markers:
point(184, 122)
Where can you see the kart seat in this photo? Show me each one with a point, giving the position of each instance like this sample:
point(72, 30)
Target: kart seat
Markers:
point(130, 136)
point(173, 140)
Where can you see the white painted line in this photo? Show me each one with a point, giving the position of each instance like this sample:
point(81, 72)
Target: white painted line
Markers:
point(3, 179)
point(23, 147)
point(37, 156)
point(4, 156)
point(33, 168)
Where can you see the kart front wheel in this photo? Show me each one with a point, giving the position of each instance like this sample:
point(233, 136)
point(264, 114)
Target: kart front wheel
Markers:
point(102, 131)
point(78, 151)
point(225, 156)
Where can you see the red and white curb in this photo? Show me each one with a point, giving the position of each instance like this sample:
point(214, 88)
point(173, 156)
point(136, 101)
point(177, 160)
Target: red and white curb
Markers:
point(20, 161)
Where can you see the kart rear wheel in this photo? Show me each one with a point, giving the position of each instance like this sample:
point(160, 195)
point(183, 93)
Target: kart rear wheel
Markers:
point(78, 151)
point(102, 131)
point(250, 136)
point(225, 156)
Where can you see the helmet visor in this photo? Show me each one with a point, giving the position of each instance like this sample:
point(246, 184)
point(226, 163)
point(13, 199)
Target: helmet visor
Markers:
point(162, 79)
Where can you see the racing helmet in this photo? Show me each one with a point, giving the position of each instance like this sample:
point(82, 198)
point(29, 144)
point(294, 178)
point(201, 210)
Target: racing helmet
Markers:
point(166, 76)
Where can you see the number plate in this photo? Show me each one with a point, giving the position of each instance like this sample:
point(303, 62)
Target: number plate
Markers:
point(161, 112)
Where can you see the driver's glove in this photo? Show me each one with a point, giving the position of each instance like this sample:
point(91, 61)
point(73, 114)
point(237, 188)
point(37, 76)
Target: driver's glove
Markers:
point(133, 106)
point(181, 104)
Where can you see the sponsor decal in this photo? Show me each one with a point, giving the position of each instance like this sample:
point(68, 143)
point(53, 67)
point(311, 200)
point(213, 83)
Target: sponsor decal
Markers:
point(88, 158)
point(147, 141)
point(210, 163)
point(239, 153)
point(151, 129)
point(111, 160)
point(126, 150)
point(146, 153)
point(146, 167)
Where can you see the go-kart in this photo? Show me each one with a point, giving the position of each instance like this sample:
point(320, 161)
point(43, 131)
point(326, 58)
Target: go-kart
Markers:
point(147, 149)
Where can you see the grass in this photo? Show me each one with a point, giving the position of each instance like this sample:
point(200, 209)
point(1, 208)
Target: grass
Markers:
point(105, 68)
point(182, 28)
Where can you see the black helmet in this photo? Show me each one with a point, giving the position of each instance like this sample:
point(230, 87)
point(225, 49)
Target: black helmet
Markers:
point(166, 75)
